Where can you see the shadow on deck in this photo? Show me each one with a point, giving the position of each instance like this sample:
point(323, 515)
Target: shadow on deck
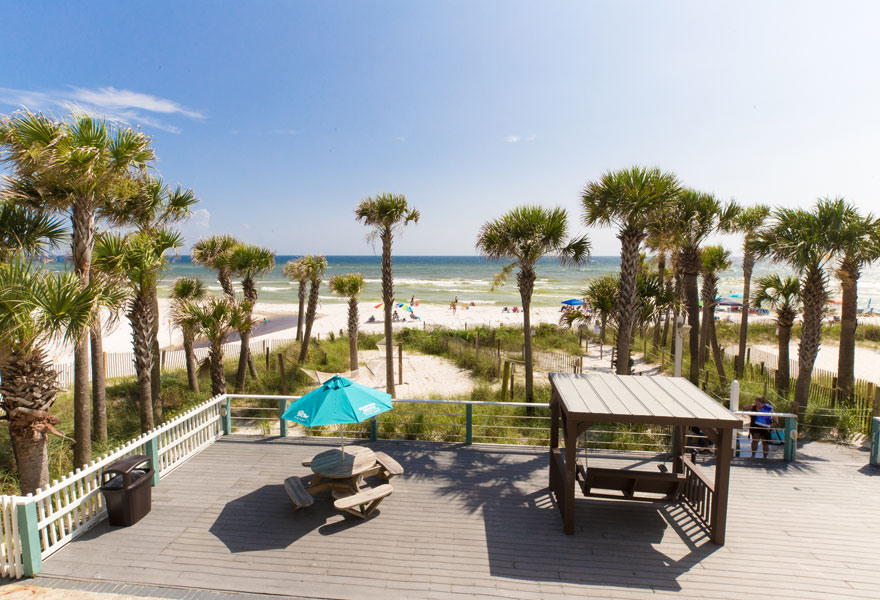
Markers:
point(480, 521)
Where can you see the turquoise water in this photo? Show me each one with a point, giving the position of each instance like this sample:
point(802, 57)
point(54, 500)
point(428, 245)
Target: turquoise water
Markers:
point(439, 279)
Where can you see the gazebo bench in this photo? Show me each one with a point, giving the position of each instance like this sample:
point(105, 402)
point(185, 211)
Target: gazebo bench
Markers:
point(630, 482)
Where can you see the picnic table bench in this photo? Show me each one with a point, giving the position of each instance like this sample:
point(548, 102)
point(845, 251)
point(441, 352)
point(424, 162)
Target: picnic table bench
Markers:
point(364, 503)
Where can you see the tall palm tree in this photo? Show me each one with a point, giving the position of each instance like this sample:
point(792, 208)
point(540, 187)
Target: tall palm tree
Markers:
point(295, 270)
point(248, 262)
point(601, 295)
point(72, 167)
point(748, 222)
point(695, 215)
point(715, 260)
point(806, 240)
point(27, 231)
point(184, 291)
point(214, 320)
point(629, 199)
point(213, 252)
point(314, 266)
point(136, 260)
point(36, 308)
point(148, 204)
point(784, 297)
point(661, 240)
point(859, 240)
point(524, 235)
point(387, 214)
point(350, 286)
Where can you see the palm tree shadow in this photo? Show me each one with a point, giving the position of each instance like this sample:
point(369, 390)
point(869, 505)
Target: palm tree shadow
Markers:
point(523, 526)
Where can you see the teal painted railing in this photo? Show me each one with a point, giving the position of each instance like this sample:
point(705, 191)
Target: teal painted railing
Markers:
point(875, 441)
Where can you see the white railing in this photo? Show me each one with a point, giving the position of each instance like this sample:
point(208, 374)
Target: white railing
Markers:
point(69, 507)
point(121, 364)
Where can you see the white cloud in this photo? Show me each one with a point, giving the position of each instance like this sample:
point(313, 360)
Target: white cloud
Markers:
point(512, 139)
point(285, 131)
point(116, 105)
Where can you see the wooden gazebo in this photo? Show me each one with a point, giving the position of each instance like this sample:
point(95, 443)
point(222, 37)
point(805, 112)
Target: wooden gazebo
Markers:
point(578, 401)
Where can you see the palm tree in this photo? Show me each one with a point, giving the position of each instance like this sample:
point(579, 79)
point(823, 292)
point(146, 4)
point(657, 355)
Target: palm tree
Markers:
point(748, 222)
point(214, 320)
point(27, 231)
point(662, 241)
point(806, 240)
point(136, 260)
point(213, 252)
point(859, 240)
point(72, 167)
point(295, 271)
point(695, 216)
point(601, 295)
point(350, 286)
point(387, 214)
point(314, 266)
point(184, 291)
point(629, 199)
point(524, 235)
point(248, 262)
point(784, 297)
point(715, 260)
point(148, 204)
point(36, 308)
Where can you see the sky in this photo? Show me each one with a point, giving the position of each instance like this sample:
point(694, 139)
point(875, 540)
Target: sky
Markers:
point(281, 116)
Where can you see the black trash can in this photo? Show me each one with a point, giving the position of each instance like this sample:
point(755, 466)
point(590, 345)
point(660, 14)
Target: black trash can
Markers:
point(126, 486)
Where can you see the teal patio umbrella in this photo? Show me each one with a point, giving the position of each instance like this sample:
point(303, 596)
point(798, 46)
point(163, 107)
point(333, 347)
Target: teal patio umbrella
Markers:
point(337, 402)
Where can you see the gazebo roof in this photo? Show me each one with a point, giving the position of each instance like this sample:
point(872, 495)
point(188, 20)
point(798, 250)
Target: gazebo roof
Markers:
point(657, 399)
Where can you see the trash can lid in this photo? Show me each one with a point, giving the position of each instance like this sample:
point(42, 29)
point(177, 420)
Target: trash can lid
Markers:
point(127, 464)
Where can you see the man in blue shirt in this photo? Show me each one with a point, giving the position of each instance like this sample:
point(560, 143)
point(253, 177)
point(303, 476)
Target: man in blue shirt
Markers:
point(760, 426)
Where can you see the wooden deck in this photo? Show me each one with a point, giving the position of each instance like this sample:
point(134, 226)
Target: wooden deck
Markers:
point(478, 521)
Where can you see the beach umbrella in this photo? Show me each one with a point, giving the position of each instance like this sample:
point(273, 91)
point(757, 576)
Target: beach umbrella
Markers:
point(727, 302)
point(380, 305)
point(337, 402)
point(736, 295)
point(573, 302)
point(404, 306)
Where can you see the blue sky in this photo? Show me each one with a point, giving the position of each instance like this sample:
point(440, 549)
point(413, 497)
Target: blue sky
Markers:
point(282, 115)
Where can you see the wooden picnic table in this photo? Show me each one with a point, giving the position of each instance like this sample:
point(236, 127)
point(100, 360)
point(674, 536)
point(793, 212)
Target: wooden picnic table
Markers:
point(340, 471)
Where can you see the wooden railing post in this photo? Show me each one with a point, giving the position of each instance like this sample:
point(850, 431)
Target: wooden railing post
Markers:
point(469, 424)
point(282, 406)
point(266, 352)
point(875, 411)
point(790, 439)
point(400, 363)
point(151, 449)
point(227, 418)
point(374, 429)
point(505, 374)
point(29, 534)
point(512, 371)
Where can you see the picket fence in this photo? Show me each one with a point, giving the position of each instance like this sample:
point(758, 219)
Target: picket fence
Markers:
point(121, 364)
point(37, 525)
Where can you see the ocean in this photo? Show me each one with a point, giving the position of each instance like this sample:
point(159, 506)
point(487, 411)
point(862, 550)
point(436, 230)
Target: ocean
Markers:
point(439, 279)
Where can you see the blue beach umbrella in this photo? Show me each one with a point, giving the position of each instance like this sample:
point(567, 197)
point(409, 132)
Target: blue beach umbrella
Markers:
point(336, 402)
point(573, 302)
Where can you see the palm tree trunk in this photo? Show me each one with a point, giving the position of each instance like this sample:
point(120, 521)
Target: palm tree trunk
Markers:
point(716, 353)
point(708, 314)
point(748, 266)
point(663, 340)
point(252, 368)
point(218, 381)
point(140, 315)
point(241, 374)
point(783, 372)
point(83, 225)
point(310, 319)
point(692, 303)
point(661, 271)
point(299, 313)
point(849, 279)
point(629, 297)
point(814, 296)
point(155, 371)
point(388, 298)
point(353, 334)
point(192, 370)
point(225, 280)
point(604, 321)
point(99, 392)
point(31, 450)
point(526, 282)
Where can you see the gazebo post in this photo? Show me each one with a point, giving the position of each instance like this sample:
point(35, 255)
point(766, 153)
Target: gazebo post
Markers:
point(723, 451)
point(571, 436)
point(678, 446)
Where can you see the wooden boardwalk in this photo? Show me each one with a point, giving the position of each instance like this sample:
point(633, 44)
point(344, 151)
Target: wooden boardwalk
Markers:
point(478, 521)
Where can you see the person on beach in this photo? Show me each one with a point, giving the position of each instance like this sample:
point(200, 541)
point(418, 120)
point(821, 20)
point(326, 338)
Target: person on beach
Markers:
point(453, 307)
point(759, 428)
point(412, 301)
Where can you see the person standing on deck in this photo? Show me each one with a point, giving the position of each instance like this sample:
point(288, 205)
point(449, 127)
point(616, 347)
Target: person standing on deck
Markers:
point(760, 426)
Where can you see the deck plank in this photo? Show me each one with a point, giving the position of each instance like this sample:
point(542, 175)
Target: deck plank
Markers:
point(479, 522)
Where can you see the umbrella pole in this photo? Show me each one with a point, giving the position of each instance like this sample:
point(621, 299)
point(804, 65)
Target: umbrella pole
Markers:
point(342, 439)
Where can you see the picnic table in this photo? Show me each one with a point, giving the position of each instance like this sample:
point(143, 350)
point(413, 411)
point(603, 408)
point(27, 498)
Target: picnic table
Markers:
point(341, 471)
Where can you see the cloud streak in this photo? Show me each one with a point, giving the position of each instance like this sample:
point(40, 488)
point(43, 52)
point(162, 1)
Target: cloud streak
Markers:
point(515, 139)
point(107, 102)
